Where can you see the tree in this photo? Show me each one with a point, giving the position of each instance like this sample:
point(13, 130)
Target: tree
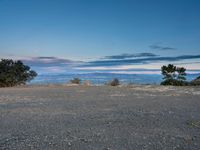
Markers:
point(14, 73)
point(181, 74)
point(173, 75)
point(169, 72)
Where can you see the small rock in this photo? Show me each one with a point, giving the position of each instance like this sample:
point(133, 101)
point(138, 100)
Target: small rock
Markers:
point(69, 144)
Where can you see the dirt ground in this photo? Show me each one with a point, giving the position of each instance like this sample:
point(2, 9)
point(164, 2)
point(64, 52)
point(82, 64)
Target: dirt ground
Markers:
point(137, 117)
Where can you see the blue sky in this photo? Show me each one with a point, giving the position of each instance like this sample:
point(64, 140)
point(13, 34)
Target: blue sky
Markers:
point(125, 35)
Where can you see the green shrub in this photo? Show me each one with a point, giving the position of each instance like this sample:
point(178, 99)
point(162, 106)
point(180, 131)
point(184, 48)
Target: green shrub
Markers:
point(198, 78)
point(195, 82)
point(76, 81)
point(13, 73)
point(174, 82)
point(114, 82)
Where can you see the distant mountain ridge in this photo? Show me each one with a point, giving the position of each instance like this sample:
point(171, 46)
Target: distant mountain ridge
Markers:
point(102, 78)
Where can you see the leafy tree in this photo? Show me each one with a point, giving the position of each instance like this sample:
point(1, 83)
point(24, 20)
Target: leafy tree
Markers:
point(181, 74)
point(173, 75)
point(14, 73)
point(169, 72)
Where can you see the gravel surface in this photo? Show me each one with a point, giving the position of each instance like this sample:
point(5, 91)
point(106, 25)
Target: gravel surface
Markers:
point(136, 117)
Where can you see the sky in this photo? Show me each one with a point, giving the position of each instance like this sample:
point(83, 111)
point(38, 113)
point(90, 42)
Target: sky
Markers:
point(101, 35)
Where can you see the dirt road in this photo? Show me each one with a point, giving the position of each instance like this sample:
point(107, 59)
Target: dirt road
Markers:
point(100, 118)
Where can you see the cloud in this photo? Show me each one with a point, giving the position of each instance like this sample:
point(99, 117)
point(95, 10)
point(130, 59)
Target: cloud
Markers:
point(52, 65)
point(49, 61)
point(126, 56)
point(158, 47)
point(127, 62)
point(139, 60)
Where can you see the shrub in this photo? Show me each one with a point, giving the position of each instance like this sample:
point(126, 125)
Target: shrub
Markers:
point(198, 78)
point(13, 73)
point(114, 82)
point(195, 82)
point(174, 82)
point(76, 81)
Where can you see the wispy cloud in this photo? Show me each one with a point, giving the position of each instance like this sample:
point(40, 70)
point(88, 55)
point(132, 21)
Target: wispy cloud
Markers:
point(49, 61)
point(140, 60)
point(159, 47)
point(126, 56)
point(45, 65)
point(115, 63)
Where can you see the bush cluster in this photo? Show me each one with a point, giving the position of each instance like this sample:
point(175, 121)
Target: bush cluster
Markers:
point(175, 82)
point(114, 82)
point(195, 82)
point(76, 81)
